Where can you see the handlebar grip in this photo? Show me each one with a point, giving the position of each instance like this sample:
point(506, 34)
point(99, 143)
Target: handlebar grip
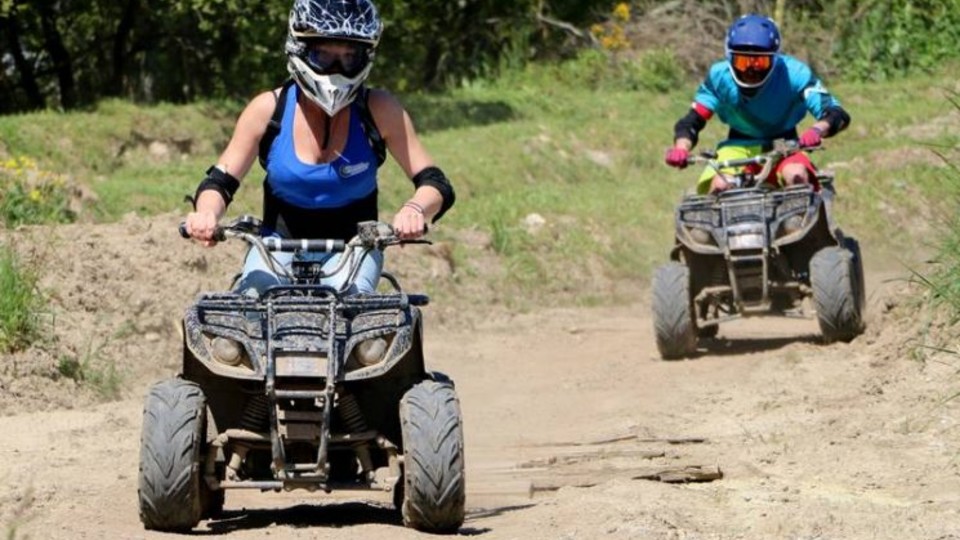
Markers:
point(316, 246)
point(218, 234)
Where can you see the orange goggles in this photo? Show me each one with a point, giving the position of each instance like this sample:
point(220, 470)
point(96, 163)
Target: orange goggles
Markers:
point(758, 62)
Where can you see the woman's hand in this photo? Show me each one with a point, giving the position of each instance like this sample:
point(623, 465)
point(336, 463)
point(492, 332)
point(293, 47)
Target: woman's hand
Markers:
point(201, 226)
point(409, 222)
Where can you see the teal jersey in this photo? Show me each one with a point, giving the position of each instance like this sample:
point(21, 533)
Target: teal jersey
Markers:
point(774, 111)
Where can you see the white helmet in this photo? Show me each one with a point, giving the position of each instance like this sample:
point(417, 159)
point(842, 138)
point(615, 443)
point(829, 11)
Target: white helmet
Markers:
point(332, 85)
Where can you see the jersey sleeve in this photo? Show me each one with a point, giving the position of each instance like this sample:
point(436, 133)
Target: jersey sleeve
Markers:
point(815, 95)
point(707, 97)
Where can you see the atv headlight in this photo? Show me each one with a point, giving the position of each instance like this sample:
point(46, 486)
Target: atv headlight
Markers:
point(700, 236)
point(226, 351)
point(371, 351)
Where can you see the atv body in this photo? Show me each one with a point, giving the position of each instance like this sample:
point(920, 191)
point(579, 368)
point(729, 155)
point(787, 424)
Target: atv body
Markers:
point(304, 387)
point(757, 251)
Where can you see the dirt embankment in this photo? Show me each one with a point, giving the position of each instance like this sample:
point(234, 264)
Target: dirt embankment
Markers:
point(568, 414)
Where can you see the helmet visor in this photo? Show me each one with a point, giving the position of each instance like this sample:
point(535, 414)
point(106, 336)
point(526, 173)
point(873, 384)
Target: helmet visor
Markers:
point(751, 68)
point(329, 57)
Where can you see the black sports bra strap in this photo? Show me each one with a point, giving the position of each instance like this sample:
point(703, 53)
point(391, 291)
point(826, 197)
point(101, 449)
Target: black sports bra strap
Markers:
point(377, 144)
point(273, 127)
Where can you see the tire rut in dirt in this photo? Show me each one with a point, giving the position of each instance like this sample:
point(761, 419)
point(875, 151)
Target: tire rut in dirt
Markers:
point(836, 275)
point(434, 491)
point(672, 314)
point(170, 444)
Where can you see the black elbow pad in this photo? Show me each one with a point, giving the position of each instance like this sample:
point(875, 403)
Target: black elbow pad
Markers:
point(838, 119)
point(434, 177)
point(689, 127)
point(222, 182)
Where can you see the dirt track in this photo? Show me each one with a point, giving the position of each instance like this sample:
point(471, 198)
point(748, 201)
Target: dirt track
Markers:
point(564, 410)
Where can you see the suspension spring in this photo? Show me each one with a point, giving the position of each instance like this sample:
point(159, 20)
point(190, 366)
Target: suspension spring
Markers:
point(353, 420)
point(256, 414)
point(351, 414)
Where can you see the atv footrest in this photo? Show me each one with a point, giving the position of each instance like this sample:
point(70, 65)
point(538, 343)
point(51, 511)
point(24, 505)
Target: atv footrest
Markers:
point(299, 394)
point(303, 467)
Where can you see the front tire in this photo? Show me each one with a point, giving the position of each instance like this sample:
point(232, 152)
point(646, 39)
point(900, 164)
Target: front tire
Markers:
point(672, 312)
point(434, 492)
point(836, 275)
point(170, 466)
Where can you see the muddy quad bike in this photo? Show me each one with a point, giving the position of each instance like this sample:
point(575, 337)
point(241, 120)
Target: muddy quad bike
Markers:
point(753, 250)
point(305, 387)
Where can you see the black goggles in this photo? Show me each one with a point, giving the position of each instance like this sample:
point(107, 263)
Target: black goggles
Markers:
point(347, 58)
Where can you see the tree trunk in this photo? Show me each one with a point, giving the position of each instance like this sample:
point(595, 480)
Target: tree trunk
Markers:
point(28, 79)
point(59, 55)
point(779, 12)
point(120, 47)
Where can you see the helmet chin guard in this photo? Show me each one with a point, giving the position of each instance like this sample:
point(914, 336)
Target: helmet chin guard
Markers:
point(332, 93)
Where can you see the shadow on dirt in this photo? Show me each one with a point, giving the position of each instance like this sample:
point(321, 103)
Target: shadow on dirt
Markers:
point(737, 346)
point(304, 515)
point(332, 516)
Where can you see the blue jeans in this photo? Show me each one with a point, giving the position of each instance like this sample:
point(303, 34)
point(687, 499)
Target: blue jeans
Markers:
point(257, 276)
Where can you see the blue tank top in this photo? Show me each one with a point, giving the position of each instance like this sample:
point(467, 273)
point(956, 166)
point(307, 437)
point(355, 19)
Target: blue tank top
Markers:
point(349, 178)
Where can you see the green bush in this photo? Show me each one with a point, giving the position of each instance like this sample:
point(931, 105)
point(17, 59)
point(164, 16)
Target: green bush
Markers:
point(19, 303)
point(879, 40)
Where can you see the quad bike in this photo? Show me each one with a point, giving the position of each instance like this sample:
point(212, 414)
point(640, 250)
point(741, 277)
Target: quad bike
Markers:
point(304, 387)
point(753, 250)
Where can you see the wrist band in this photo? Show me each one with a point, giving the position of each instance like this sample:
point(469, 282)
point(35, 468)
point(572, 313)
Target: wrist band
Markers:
point(416, 206)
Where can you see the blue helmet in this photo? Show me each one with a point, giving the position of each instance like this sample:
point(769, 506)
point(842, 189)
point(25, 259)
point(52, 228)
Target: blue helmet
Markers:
point(751, 38)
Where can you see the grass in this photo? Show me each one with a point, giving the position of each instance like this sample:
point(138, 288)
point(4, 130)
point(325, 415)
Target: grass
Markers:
point(94, 371)
point(944, 281)
point(584, 154)
point(20, 303)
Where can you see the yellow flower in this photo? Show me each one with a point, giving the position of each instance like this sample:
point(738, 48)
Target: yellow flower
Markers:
point(35, 195)
point(622, 12)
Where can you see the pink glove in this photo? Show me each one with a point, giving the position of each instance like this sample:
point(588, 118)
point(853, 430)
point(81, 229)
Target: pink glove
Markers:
point(810, 138)
point(677, 157)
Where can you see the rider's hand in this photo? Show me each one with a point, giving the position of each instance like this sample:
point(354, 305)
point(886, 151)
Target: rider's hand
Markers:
point(201, 227)
point(409, 222)
point(718, 184)
point(810, 138)
point(677, 157)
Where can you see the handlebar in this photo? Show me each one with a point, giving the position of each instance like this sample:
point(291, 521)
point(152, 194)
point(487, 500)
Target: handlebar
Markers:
point(371, 235)
point(781, 149)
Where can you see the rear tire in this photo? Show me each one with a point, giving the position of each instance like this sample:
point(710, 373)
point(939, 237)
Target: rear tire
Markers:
point(672, 312)
point(170, 450)
point(836, 275)
point(433, 495)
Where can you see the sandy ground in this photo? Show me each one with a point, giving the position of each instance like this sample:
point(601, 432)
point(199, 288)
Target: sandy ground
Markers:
point(565, 411)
